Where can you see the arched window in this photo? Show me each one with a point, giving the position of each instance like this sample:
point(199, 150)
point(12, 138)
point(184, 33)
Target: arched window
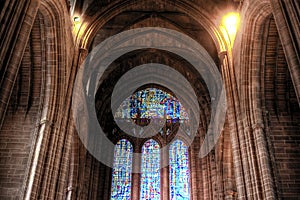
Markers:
point(150, 177)
point(157, 105)
point(121, 175)
point(179, 171)
point(151, 103)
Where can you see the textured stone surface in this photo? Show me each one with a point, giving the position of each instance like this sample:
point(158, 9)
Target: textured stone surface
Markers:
point(258, 153)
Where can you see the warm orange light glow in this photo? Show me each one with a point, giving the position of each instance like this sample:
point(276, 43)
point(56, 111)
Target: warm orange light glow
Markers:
point(76, 25)
point(229, 26)
point(76, 19)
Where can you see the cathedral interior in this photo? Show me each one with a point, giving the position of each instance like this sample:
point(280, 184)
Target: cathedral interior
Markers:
point(53, 53)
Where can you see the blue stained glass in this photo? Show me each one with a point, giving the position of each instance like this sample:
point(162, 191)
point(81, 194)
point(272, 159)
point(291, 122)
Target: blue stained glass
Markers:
point(121, 175)
point(150, 177)
point(179, 171)
point(151, 103)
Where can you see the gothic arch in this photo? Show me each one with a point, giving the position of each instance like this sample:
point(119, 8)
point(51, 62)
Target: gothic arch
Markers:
point(251, 71)
point(91, 25)
point(253, 132)
point(51, 137)
point(257, 154)
point(85, 41)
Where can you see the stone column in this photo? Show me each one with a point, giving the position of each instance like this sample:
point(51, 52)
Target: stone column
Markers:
point(236, 127)
point(286, 15)
point(264, 166)
point(13, 47)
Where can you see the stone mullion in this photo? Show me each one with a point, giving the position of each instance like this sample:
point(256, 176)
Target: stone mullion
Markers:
point(287, 22)
point(164, 174)
point(136, 174)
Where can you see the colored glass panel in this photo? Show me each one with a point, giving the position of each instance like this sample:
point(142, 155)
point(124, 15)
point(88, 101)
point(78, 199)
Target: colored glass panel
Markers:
point(151, 103)
point(179, 171)
point(150, 177)
point(121, 175)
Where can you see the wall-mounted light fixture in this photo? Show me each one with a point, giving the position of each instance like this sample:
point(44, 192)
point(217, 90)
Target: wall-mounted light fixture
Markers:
point(76, 19)
point(229, 26)
point(77, 24)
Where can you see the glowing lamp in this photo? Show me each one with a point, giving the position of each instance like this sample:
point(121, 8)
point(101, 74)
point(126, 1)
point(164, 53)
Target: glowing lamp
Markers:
point(229, 25)
point(76, 19)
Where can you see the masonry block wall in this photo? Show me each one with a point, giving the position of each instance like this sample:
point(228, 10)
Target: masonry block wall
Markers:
point(282, 118)
point(16, 138)
point(65, 173)
point(18, 130)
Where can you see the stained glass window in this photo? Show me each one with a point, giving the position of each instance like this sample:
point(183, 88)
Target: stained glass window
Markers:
point(150, 177)
point(179, 171)
point(121, 175)
point(151, 103)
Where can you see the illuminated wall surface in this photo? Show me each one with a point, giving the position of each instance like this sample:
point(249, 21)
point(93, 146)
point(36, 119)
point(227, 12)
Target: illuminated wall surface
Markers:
point(179, 171)
point(150, 177)
point(121, 177)
point(151, 103)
